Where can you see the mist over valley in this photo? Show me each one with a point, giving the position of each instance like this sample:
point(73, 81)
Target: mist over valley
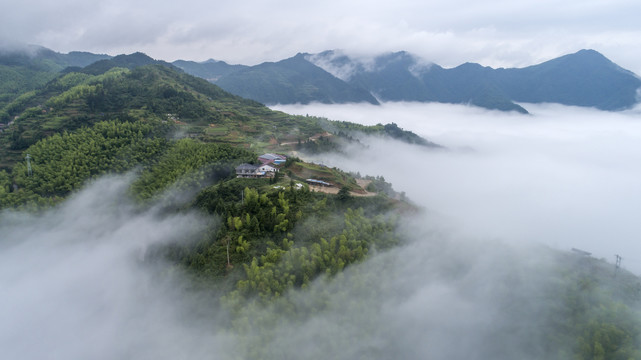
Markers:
point(562, 176)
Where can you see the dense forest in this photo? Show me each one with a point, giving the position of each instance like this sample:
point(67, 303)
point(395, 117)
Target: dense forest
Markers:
point(270, 239)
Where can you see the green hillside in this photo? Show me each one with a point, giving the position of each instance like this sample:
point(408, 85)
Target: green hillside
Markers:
point(26, 69)
point(195, 107)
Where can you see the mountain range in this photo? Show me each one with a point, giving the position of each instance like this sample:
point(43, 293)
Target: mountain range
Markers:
point(585, 78)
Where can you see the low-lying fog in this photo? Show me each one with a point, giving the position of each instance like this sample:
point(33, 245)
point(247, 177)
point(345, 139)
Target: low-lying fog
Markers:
point(75, 283)
point(563, 176)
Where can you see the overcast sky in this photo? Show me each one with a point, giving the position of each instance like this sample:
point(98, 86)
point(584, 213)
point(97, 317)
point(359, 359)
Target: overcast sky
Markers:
point(493, 33)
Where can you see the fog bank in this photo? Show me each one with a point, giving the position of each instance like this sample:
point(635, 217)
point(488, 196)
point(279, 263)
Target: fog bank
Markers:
point(468, 282)
point(75, 284)
point(563, 176)
point(439, 297)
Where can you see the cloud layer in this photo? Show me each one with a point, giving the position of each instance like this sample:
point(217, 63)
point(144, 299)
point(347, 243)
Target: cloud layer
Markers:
point(75, 284)
point(468, 283)
point(565, 177)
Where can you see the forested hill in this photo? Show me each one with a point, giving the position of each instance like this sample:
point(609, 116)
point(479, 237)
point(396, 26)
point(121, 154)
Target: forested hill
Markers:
point(179, 134)
point(162, 94)
point(29, 67)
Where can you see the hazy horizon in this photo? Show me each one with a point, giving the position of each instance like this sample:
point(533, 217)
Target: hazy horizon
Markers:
point(449, 33)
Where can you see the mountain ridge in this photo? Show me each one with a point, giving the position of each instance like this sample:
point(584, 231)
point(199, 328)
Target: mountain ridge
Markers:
point(585, 78)
point(292, 80)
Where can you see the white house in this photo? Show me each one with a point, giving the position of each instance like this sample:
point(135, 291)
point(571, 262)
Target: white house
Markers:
point(266, 168)
point(253, 171)
point(272, 158)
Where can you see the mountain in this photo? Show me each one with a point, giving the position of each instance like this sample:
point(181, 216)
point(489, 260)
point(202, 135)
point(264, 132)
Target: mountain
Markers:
point(586, 78)
point(289, 81)
point(130, 61)
point(401, 76)
point(136, 86)
point(210, 70)
point(293, 80)
point(46, 59)
point(26, 68)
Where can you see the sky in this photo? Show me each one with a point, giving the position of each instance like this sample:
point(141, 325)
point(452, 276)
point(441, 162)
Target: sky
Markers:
point(565, 177)
point(493, 33)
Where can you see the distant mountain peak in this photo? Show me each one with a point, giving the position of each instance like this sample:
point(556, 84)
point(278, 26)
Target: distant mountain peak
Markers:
point(129, 61)
point(589, 52)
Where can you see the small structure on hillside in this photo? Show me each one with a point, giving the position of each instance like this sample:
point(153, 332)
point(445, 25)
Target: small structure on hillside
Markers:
point(246, 170)
point(317, 182)
point(270, 158)
point(253, 171)
point(266, 168)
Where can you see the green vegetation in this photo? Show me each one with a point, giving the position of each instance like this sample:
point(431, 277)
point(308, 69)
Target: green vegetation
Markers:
point(599, 311)
point(189, 164)
point(158, 93)
point(63, 162)
point(80, 126)
point(30, 68)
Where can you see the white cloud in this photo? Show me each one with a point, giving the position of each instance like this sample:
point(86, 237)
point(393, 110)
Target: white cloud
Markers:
point(75, 286)
point(565, 177)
